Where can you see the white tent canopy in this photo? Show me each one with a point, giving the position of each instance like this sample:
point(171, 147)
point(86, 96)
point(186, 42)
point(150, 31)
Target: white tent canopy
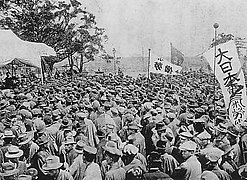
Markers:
point(13, 48)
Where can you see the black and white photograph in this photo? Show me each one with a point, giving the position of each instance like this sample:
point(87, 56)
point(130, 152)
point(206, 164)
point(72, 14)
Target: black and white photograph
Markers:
point(123, 90)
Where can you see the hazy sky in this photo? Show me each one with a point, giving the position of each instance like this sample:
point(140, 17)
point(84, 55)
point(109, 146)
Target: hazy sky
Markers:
point(135, 24)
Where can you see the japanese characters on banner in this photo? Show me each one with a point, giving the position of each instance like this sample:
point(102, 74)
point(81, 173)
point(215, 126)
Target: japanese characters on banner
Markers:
point(162, 66)
point(229, 73)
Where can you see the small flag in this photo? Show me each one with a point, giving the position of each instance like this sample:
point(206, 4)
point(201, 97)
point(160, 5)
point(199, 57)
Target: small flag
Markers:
point(177, 57)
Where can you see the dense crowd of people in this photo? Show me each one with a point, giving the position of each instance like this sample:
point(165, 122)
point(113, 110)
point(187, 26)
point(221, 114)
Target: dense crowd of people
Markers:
point(115, 127)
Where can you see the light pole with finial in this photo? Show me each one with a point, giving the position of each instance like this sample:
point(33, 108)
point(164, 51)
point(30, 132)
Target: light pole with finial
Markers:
point(216, 25)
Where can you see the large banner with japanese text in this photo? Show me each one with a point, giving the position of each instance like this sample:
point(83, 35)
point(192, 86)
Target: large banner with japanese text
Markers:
point(162, 66)
point(228, 71)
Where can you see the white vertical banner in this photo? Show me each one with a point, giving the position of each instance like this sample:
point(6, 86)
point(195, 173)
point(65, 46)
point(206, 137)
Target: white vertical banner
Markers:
point(228, 71)
point(162, 66)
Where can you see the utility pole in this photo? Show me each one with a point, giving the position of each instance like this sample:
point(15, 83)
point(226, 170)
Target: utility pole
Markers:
point(114, 60)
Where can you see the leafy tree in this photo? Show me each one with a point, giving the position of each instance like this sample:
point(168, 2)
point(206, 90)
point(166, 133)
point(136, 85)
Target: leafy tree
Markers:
point(66, 27)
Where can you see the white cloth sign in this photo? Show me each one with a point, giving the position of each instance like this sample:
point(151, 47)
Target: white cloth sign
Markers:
point(160, 65)
point(229, 73)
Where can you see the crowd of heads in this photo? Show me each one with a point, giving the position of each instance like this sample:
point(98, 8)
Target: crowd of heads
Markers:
point(136, 125)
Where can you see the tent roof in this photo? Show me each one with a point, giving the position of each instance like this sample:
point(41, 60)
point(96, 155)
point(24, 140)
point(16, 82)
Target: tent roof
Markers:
point(12, 48)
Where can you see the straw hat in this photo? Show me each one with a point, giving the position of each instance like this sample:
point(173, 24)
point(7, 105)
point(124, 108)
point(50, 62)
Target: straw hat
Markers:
point(8, 134)
point(189, 145)
point(214, 154)
point(130, 149)
point(24, 177)
point(111, 147)
point(79, 147)
point(134, 126)
point(90, 149)
point(9, 169)
point(13, 152)
point(52, 162)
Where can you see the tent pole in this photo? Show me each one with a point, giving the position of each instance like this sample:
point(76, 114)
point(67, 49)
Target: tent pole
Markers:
point(12, 64)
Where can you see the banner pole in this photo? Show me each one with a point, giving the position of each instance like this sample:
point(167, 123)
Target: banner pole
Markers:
point(216, 25)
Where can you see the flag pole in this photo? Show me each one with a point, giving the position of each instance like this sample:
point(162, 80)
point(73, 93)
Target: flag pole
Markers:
point(171, 51)
point(216, 25)
point(149, 57)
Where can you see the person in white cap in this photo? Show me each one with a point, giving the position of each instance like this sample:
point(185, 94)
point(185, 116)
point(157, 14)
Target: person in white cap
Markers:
point(93, 140)
point(214, 156)
point(135, 166)
point(191, 168)
point(52, 167)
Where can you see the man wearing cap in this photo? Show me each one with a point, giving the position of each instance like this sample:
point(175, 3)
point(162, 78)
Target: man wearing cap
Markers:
point(41, 131)
point(77, 169)
point(100, 148)
point(107, 107)
point(191, 168)
point(111, 167)
point(243, 142)
point(213, 158)
point(66, 123)
point(92, 171)
point(135, 166)
point(169, 163)
point(116, 118)
point(163, 134)
point(13, 155)
point(27, 146)
point(110, 130)
point(155, 170)
point(40, 156)
point(136, 138)
point(204, 140)
point(8, 137)
point(227, 162)
point(147, 132)
point(52, 168)
point(68, 154)
point(233, 137)
point(96, 111)
point(9, 171)
point(91, 129)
